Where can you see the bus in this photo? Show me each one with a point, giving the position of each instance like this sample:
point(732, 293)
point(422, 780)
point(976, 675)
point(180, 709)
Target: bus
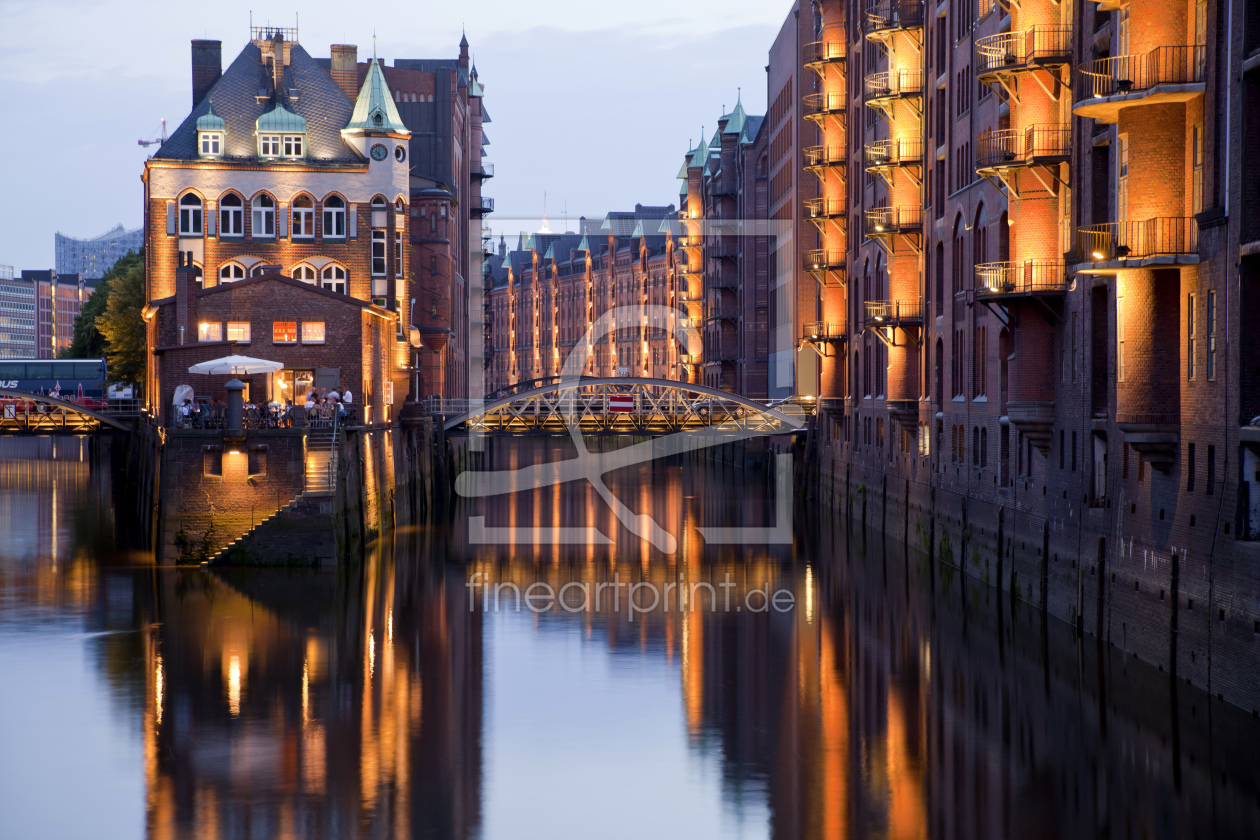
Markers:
point(76, 380)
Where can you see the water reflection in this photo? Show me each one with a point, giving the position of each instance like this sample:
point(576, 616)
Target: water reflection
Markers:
point(393, 699)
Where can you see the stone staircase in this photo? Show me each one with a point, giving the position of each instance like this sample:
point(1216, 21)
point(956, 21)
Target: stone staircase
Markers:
point(321, 461)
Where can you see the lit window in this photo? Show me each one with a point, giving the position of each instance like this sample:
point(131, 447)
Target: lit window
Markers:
point(190, 215)
point(398, 253)
point(231, 216)
point(303, 217)
point(230, 272)
point(335, 279)
point(293, 145)
point(211, 143)
point(334, 217)
point(305, 273)
point(238, 331)
point(264, 216)
point(269, 145)
point(378, 253)
point(209, 332)
point(284, 332)
point(312, 332)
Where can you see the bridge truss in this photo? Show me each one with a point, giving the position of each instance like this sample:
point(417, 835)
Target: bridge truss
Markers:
point(22, 412)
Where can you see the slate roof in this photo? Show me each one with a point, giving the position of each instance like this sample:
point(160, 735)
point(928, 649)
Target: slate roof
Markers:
point(236, 95)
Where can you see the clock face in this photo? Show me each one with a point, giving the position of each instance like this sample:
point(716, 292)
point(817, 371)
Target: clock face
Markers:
point(379, 152)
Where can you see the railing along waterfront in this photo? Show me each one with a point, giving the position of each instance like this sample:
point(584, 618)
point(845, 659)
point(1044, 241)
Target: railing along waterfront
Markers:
point(1015, 278)
point(1038, 45)
point(1123, 74)
point(1159, 237)
point(1013, 146)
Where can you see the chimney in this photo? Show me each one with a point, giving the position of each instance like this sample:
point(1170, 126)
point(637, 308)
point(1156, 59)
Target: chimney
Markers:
point(345, 68)
point(207, 67)
point(280, 59)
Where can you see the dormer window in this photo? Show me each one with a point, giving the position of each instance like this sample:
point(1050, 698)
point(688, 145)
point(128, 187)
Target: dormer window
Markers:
point(210, 129)
point(280, 146)
point(293, 145)
point(281, 134)
point(211, 143)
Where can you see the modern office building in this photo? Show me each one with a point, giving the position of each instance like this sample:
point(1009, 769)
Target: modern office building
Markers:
point(94, 256)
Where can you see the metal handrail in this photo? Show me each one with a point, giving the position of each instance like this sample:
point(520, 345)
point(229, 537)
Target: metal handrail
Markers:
point(884, 220)
point(894, 14)
point(822, 330)
point(886, 312)
point(824, 155)
point(892, 153)
point(825, 208)
point(889, 83)
point(1123, 74)
point(817, 52)
point(1013, 278)
point(1032, 46)
point(823, 103)
point(823, 259)
point(1159, 237)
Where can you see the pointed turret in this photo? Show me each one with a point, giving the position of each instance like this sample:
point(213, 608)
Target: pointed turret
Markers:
point(374, 110)
point(737, 119)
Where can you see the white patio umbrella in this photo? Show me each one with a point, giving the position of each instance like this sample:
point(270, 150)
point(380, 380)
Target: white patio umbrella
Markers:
point(236, 366)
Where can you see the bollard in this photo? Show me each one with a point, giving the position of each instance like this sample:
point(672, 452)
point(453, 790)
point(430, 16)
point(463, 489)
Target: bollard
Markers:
point(235, 410)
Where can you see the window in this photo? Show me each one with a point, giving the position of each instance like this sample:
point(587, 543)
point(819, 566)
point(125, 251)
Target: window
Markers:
point(1196, 157)
point(190, 215)
point(1211, 335)
point(231, 271)
point(303, 217)
point(269, 145)
point(264, 221)
point(305, 273)
point(231, 216)
point(284, 332)
point(211, 143)
point(259, 270)
point(1190, 338)
point(335, 279)
point(1122, 177)
point(398, 253)
point(312, 332)
point(238, 331)
point(293, 145)
point(334, 217)
point(433, 264)
point(1190, 468)
point(1119, 338)
point(209, 332)
point(378, 253)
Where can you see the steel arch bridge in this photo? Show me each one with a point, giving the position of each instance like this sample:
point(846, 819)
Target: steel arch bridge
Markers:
point(660, 406)
point(22, 412)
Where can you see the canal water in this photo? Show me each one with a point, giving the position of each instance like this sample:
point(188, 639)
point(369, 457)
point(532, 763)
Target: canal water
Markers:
point(454, 684)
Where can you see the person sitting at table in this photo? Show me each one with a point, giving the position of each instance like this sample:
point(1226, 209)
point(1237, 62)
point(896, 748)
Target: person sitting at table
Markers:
point(310, 400)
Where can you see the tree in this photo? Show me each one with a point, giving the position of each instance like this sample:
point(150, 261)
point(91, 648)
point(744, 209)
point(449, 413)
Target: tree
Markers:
point(123, 327)
point(88, 343)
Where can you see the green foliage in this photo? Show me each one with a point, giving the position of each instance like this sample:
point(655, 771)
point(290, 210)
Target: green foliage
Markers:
point(946, 550)
point(123, 326)
point(88, 342)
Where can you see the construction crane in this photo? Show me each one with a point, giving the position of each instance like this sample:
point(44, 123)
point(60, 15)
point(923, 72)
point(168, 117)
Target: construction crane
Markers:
point(157, 142)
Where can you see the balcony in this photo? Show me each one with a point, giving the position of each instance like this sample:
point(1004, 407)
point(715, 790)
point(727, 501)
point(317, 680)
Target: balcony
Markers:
point(823, 259)
point(482, 204)
point(818, 158)
point(818, 54)
point(1009, 53)
point(1165, 74)
point(893, 313)
point(1026, 279)
point(891, 85)
point(825, 208)
point(721, 281)
point(884, 19)
point(720, 354)
point(1168, 240)
point(486, 170)
point(723, 312)
point(721, 249)
point(820, 331)
point(885, 155)
point(1037, 145)
point(819, 106)
point(889, 221)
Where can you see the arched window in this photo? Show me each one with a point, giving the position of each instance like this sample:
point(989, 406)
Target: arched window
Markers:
point(984, 447)
point(231, 271)
point(264, 217)
point(231, 215)
point(258, 270)
point(305, 273)
point(400, 206)
point(303, 217)
point(980, 239)
point(334, 279)
point(190, 215)
point(959, 255)
point(334, 217)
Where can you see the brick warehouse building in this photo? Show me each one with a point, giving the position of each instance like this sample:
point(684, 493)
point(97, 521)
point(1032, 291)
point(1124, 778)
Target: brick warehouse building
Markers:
point(292, 165)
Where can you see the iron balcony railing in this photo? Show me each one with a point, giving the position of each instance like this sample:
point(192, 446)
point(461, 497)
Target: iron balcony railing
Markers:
point(721, 249)
point(483, 204)
point(883, 153)
point(820, 52)
point(825, 156)
point(889, 84)
point(723, 312)
point(1015, 147)
point(720, 354)
point(821, 104)
point(823, 331)
point(1123, 74)
point(893, 14)
point(886, 313)
point(823, 259)
point(883, 221)
point(1016, 278)
point(1165, 236)
point(721, 281)
point(825, 208)
point(486, 170)
point(1030, 48)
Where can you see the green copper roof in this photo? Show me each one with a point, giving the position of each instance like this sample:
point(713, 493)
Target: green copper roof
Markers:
point(374, 110)
point(638, 229)
point(529, 243)
point(716, 142)
point(584, 245)
point(682, 173)
point(551, 252)
point(474, 86)
point(280, 119)
point(735, 124)
point(699, 155)
point(668, 226)
point(210, 121)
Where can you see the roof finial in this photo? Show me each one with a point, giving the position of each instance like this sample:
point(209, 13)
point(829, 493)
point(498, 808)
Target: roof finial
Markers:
point(544, 228)
point(373, 45)
point(739, 92)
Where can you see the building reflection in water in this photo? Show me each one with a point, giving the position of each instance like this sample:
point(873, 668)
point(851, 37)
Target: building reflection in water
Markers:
point(890, 701)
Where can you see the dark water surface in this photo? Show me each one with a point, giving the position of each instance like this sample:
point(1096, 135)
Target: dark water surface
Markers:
point(888, 699)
